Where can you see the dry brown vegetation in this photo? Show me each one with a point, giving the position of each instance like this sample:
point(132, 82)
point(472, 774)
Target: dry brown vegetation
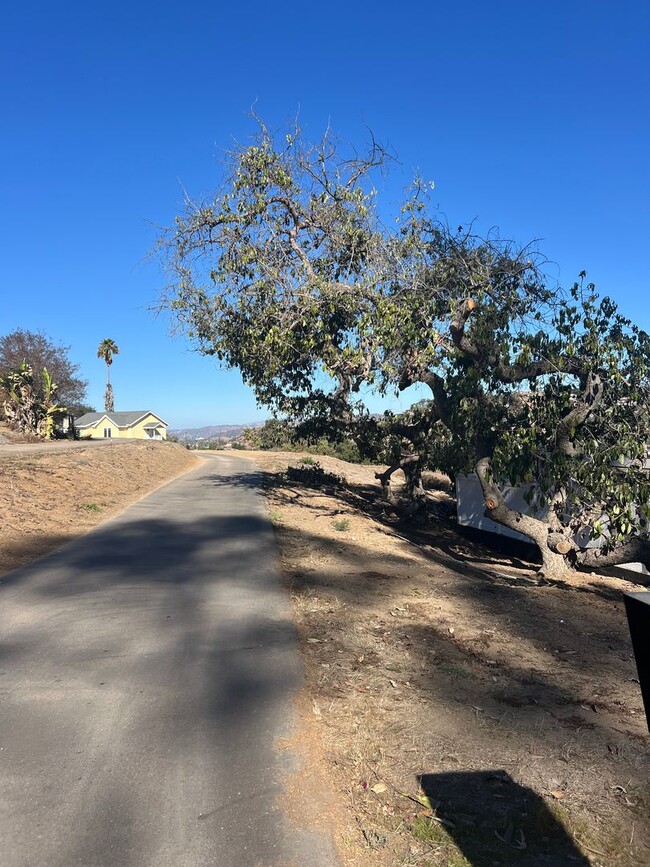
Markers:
point(429, 654)
point(49, 496)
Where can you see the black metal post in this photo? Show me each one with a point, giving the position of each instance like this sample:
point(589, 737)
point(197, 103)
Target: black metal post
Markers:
point(637, 606)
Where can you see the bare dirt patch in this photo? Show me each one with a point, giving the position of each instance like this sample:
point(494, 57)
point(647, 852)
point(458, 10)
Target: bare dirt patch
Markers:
point(468, 714)
point(48, 498)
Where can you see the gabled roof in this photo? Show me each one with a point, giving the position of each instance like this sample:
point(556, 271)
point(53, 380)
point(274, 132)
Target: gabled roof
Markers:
point(120, 419)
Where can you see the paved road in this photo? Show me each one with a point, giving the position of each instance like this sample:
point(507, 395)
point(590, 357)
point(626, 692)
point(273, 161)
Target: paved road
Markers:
point(146, 671)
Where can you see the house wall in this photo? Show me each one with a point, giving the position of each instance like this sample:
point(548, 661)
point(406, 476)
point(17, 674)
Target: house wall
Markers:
point(138, 431)
point(135, 432)
point(97, 432)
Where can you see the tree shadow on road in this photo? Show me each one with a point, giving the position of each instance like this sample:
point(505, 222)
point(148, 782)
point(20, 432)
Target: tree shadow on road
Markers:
point(181, 626)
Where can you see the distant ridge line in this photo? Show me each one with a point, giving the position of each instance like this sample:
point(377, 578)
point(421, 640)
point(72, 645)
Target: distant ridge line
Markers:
point(213, 431)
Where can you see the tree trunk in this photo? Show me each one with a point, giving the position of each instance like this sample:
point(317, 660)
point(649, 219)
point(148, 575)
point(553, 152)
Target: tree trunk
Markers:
point(416, 498)
point(635, 550)
point(414, 501)
point(109, 403)
point(554, 564)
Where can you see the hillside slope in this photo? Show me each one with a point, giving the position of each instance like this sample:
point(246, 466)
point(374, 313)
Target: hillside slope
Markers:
point(48, 498)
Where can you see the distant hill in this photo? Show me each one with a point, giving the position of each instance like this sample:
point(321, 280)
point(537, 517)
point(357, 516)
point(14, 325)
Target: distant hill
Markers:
point(213, 431)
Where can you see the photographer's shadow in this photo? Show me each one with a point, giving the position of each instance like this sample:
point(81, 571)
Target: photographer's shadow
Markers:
point(495, 821)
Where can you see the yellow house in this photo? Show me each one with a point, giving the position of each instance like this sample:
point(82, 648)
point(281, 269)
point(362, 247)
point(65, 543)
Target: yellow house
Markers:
point(140, 425)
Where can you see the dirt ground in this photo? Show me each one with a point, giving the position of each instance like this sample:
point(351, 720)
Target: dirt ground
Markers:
point(467, 714)
point(49, 497)
point(463, 713)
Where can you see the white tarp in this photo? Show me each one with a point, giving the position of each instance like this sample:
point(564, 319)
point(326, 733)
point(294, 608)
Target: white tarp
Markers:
point(470, 508)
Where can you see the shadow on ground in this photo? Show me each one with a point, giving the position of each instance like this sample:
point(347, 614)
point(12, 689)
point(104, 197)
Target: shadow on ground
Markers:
point(175, 633)
point(523, 669)
point(493, 820)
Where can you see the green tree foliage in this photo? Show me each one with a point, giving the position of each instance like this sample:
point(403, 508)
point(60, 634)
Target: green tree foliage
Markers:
point(78, 409)
point(274, 434)
point(289, 275)
point(40, 352)
point(282, 435)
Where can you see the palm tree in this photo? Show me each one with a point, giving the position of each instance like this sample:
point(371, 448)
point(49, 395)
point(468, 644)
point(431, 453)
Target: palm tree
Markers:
point(106, 350)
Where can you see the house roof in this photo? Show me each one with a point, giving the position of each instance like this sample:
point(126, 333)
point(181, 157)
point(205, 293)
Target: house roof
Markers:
point(121, 419)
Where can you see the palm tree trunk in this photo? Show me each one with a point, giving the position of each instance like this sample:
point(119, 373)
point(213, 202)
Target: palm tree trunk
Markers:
point(109, 403)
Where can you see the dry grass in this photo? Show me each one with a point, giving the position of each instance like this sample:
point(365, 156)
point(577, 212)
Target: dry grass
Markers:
point(437, 656)
point(47, 499)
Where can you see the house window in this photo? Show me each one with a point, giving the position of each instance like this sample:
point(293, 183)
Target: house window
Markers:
point(108, 433)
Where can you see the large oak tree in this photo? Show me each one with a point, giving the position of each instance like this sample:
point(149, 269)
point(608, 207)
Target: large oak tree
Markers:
point(289, 274)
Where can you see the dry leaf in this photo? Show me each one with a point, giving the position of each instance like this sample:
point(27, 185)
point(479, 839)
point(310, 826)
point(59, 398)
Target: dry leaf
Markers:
point(557, 794)
point(378, 788)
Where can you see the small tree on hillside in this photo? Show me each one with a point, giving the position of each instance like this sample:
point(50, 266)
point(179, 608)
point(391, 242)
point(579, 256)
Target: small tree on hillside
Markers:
point(51, 410)
point(40, 352)
point(28, 410)
point(289, 275)
point(20, 401)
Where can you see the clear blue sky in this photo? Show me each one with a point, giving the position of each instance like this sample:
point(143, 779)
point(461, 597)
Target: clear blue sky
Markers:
point(531, 116)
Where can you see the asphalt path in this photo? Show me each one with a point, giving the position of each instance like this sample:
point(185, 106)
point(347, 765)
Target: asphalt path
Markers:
point(147, 671)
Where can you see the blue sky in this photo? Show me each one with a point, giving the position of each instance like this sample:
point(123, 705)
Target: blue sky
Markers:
point(534, 117)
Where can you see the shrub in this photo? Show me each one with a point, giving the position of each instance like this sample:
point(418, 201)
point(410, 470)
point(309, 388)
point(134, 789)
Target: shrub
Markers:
point(314, 476)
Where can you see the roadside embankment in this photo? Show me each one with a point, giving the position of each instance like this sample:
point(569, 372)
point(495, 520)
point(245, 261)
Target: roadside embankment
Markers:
point(49, 497)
